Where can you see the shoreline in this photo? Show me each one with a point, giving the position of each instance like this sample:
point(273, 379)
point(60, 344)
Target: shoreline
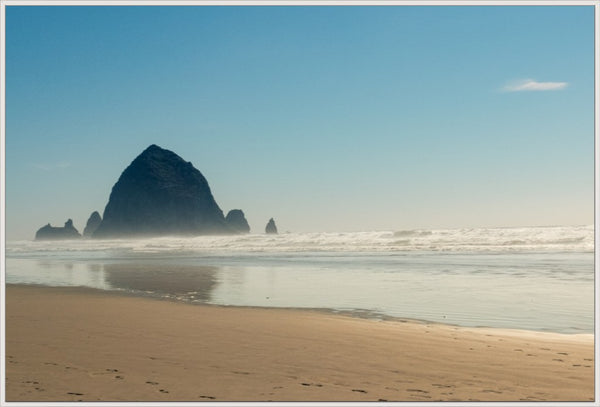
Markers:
point(364, 314)
point(77, 343)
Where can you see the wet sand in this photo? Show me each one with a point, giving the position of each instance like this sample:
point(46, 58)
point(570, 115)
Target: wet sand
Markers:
point(69, 344)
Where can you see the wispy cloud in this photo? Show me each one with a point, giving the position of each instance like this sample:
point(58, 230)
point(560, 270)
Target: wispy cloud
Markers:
point(50, 167)
point(533, 85)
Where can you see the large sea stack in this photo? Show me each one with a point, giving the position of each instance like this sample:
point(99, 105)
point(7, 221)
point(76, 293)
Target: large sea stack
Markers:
point(161, 194)
point(56, 233)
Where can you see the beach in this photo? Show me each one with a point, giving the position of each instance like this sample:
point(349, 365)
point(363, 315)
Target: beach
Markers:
point(70, 343)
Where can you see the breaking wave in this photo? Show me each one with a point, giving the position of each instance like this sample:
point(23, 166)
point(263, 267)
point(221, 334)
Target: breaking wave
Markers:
point(524, 239)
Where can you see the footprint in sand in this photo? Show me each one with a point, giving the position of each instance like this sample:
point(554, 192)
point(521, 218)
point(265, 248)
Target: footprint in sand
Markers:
point(163, 391)
point(207, 397)
point(112, 370)
point(417, 391)
point(75, 394)
point(152, 383)
point(119, 377)
point(359, 390)
point(312, 384)
point(558, 360)
point(562, 353)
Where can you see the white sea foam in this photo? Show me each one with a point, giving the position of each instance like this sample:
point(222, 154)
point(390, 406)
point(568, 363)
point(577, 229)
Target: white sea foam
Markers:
point(524, 239)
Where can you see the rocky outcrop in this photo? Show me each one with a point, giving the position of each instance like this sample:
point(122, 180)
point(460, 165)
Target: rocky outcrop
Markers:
point(92, 224)
point(161, 194)
point(56, 233)
point(271, 228)
point(237, 221)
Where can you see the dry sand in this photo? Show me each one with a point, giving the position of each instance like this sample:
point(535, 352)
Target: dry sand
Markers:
point(67, 344)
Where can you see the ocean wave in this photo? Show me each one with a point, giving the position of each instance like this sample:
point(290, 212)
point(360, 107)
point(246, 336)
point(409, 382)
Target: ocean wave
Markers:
point(410, 233)
point(555, 239)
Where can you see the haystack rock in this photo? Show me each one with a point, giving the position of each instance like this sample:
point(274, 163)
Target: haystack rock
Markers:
point(237, 221)
point(161, 194)
point(92, 224)
point(271, 228)
point(55, 233)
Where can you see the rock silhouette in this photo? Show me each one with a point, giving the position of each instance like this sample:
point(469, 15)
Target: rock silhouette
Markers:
point(237, 221)
point(92, 224)
point(49, 232)
point(271, 227)
point(161, 194)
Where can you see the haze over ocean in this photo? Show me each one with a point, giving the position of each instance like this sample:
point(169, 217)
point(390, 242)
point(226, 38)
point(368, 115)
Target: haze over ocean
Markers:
point(325, 118)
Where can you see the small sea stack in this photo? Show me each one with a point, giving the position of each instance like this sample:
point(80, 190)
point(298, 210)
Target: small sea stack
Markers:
point(271, 228)
point(49, 232)
point(92, 224)
point(237, 221)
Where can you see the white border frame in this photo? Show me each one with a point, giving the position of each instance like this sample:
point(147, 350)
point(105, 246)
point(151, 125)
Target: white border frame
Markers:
point(4, 3)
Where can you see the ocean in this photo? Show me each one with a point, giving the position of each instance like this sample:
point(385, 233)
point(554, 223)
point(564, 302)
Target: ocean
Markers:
point(533, 278)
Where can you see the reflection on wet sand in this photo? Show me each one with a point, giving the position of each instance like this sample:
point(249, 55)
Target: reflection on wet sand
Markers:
point(189, 282)
point(49, 265)
point(95, 268)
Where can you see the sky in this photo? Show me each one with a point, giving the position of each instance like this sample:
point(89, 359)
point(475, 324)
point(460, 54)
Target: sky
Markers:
point(328, 118)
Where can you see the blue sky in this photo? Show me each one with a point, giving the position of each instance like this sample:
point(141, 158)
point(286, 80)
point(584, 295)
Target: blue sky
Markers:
point(325, 118)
